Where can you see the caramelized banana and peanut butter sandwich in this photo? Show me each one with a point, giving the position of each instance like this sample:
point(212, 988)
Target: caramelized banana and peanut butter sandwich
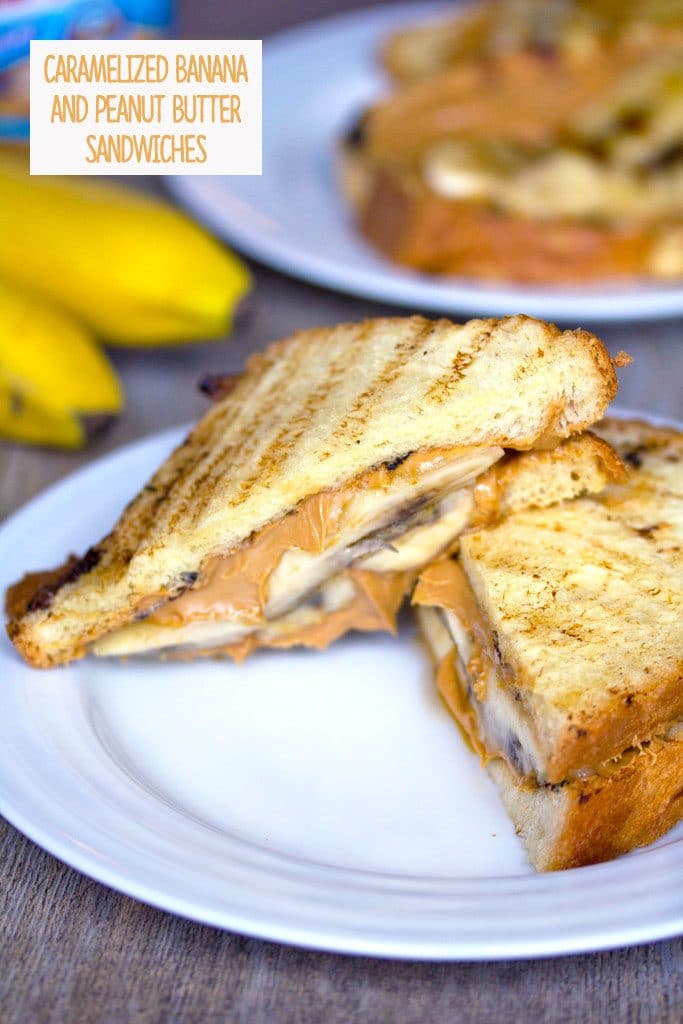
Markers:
point(538, 142)
point(324, 477)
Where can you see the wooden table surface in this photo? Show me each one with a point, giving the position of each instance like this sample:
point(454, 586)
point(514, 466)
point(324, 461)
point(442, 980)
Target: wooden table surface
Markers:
point(72, 950)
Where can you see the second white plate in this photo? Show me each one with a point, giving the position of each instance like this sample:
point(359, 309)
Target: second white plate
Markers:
point(324, 799)
point(293, 218)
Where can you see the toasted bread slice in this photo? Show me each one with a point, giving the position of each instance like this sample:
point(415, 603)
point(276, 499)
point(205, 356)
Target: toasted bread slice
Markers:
point(558, 636)
point(559, 590)
point(580, 466)
point(627, 802)
point(601, 816)
point(417, 228)
point(333, 424)
point(651, 500)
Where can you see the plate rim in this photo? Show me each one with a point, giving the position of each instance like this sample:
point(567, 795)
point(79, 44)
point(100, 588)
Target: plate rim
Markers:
point(125, 878)
point(241, 224)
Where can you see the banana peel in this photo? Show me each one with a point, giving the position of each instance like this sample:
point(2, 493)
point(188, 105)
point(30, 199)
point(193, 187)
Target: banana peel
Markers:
point(131, 267)
point(55, 381)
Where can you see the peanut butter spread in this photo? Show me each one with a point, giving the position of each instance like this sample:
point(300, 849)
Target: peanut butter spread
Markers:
point(452, 689)
point(444, 585)
point(234, 585)
point(487, 496)
point(374, 606)
point(473, 667)
point(459, 706)
point(19, 595)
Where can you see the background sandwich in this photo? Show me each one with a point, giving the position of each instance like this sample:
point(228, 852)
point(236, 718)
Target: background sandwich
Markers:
point(333, 447)
point(536, 145)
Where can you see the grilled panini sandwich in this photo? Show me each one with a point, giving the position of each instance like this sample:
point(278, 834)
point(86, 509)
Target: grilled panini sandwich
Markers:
point(558, 640)
point(548, 147)
point(304, 503)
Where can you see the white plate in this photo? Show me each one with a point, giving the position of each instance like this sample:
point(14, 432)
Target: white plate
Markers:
point(316, 80)
point(320, 799)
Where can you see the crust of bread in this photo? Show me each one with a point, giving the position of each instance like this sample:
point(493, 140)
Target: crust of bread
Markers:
point(581, 465)
point(298, 422)
point(417, 228)
point(598, 818)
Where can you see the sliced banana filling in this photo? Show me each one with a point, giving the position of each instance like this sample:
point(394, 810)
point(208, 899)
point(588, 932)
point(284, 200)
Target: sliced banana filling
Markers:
point(334, 596)
point(473, 685)
point(364, 541)
point(490, 712)
point(553, 185)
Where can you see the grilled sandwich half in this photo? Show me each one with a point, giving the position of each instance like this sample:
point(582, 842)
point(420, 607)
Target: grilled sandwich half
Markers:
point(558, 640)
point(550, 154)
point(325, 476)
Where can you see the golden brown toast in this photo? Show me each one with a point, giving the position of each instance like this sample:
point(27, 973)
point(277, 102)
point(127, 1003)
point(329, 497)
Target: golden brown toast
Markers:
point(415, 227)
point(651, 501)
point(599, 817)
point(411, 402)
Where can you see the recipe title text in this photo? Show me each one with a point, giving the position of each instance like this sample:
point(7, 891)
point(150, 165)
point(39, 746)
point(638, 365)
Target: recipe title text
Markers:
point(135, 107)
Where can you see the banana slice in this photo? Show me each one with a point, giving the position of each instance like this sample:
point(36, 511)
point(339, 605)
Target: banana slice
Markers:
point(456, 170)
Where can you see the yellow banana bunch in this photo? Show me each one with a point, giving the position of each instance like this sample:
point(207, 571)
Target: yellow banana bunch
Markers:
point(128, 265)
point(53, 375)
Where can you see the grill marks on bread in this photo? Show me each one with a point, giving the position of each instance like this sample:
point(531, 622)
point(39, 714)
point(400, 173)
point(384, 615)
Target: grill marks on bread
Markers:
point(314, 403)
point(272, 445)
point(457, 371)
point(387, 373)
point(651, 502)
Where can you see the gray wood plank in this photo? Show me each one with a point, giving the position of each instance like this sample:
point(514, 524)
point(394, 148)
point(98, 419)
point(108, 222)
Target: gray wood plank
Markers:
point(71, 950)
